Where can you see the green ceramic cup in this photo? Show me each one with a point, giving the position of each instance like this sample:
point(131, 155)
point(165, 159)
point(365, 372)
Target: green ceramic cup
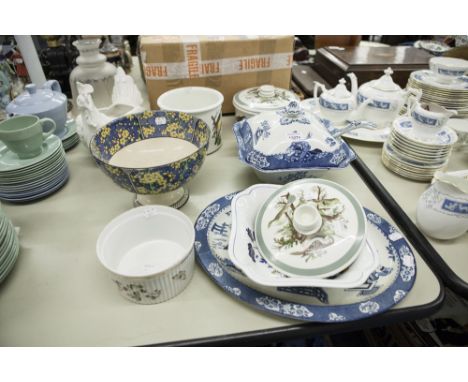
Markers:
point(24, 134)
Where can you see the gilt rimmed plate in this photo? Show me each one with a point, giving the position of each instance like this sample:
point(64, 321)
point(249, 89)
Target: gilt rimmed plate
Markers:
point(386, 287)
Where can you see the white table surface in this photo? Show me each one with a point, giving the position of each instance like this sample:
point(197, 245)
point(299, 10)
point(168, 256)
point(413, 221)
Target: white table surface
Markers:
point(59, 294)
point(407, 192)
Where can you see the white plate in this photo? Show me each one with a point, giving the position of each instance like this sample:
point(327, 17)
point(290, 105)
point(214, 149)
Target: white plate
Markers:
point(244, 253)
point(404, 127)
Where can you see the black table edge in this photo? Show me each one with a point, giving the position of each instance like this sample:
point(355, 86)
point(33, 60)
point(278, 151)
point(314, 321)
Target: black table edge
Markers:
point(303, 330)
point(414, 235)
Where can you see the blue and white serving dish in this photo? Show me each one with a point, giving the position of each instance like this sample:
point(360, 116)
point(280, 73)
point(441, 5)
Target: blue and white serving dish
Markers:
point(384, 288)
point(289, 144)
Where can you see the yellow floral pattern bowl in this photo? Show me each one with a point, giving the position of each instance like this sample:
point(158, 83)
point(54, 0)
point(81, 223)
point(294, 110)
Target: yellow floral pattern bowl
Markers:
point(166, 179)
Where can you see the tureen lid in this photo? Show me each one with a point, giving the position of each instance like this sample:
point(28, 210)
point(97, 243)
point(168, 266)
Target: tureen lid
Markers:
point(274, 132)
point(262, 98)
point(385, 83)
point(311, 227)
point(36, 100)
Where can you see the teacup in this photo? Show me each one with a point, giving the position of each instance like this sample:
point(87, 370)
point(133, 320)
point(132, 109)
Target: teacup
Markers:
point(24, 134)
point(448, 68)
point(429, 119)
point(201, 102)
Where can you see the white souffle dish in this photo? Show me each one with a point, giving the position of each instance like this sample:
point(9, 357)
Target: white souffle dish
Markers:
point(149, 253)
point(289, 144)
point(253, 101)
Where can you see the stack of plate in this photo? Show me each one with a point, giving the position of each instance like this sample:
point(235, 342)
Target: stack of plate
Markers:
point(24, 180)
point(9, 246)
point(69, 136)
point(451, 95)
point(413, 156)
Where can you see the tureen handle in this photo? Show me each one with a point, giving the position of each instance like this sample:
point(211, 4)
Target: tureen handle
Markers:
point(52, 85)
point(293, 109)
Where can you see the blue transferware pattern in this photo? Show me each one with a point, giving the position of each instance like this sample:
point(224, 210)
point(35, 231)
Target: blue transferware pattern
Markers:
point(293, 113)
point(333, 105)
point(298, 156)
point(376, 104)
point(453, 73)
point(425, 120)
point(150, 124)
point(385, 288)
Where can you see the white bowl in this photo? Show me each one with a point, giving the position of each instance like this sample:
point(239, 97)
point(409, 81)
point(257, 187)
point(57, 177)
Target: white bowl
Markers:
point(448, 68)
point(201, 102)
point(149, 253)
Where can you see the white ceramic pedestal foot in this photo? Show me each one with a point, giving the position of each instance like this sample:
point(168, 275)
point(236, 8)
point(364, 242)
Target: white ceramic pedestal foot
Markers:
point(175, 199)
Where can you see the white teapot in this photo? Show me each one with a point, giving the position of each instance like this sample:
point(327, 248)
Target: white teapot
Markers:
point(383, 96)
point(442, 210)
point(337, 104)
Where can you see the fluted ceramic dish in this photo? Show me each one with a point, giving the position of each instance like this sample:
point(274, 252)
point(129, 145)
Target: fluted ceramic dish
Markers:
point(244, 253)
point(148, 252)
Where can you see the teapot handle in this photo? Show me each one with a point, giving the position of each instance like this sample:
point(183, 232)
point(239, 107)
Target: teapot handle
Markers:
point(316, 86)
point(52, 85)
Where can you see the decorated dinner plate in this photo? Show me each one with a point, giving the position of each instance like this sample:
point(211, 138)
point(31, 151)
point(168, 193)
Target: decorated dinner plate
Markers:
point(384, 288)
point(428, 77)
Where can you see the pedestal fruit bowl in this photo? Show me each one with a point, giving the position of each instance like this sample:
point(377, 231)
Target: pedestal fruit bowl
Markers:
point(158, 152)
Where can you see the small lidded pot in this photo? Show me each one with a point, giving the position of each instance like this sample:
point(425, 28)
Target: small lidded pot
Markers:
point(46, 101)
point(149, 253)
point(253, 101)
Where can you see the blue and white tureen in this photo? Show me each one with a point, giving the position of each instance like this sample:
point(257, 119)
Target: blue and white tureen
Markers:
point(289, 144)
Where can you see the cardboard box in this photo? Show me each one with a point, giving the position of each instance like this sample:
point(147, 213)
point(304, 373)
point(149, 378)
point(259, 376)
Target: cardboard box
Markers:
point(226, 63)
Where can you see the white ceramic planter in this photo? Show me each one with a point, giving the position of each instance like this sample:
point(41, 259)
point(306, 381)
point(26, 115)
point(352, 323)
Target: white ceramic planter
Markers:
point(149, 253)
point(201, 102)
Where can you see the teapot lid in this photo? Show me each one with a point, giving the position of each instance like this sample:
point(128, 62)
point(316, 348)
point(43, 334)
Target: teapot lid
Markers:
point(262, 98)
point(37, 100)
point(385, 83)
point(340, 90)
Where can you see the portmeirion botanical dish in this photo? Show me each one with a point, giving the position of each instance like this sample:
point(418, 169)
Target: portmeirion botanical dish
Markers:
point(245, 255)
point(387, 98)
point(148, 252)
point(153, 154)
point(311, 227)
point(46, 101)
point(388, 285)
point(253, 101)
point(442, 210)
point(126, 100)
point(289, 144)
point(448, 69)
point(200, 102)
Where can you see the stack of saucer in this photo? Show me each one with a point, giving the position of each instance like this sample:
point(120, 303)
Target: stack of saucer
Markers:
point(24, 180)
point(452, 95)
point(69, 136)
point(9, 246)
point(413, 156)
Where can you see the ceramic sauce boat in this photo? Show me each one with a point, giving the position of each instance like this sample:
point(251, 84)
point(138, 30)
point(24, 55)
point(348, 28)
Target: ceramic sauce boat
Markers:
point(337, 105)
point(442, 210)
point(386, 98)
point(428, 118)
point(46, 101)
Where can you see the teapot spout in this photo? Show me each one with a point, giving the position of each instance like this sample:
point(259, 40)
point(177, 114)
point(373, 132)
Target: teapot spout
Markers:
point(354, 84)
point(357, 115)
